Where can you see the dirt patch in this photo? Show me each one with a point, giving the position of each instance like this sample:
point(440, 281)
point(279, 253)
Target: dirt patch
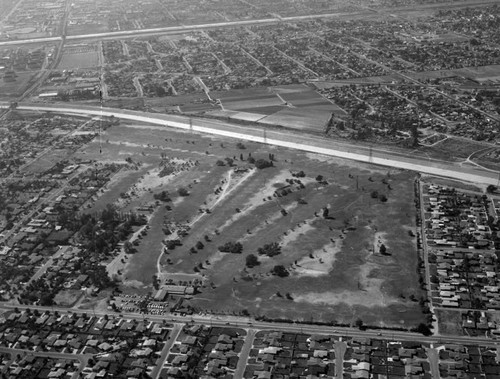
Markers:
point(68, 298)
point(321, 262)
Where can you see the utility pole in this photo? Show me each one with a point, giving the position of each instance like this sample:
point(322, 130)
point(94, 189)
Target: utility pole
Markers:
point(100, 136)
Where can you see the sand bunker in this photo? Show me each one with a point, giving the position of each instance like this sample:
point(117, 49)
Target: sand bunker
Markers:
point(322, 261)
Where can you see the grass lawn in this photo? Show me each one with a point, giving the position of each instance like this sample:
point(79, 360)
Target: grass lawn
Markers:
point(142, 265)
point(358, 282)
point(449, 322)
point(336, 271)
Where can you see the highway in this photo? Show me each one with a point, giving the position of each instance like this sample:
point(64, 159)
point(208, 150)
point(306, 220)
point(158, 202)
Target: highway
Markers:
point(175, 29)
point(285, 138)
point(238, 23)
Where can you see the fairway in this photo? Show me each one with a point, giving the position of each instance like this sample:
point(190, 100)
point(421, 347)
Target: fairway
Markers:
point(336, 271)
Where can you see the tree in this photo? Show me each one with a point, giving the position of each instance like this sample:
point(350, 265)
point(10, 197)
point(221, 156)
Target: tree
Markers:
point(491, 188)
point(162, 196)
point(171, 244)
point(326, 212)
point(183, 192)
point(156, 283)
point(383, 250)
point(359, 324)
point(424, 329)
point(262, 163)
point(231, 247)
point(128, 247)
point(414, 135)
point(199, 245)
point(280, 271)
point(252, 261)
point(270, 249)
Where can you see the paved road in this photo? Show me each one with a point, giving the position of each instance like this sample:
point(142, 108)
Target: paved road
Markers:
point(425, 251)
point(285, 138)
point(172, 336)
point(247, 323)
point(245, 352)
point(340, 349)
point(433, 355)
point(275, 19)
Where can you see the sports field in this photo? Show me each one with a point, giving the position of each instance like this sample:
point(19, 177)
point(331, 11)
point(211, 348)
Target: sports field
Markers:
point(77, 57)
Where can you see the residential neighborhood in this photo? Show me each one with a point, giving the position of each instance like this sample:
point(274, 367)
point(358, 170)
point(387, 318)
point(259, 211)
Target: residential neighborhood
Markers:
point(250, 189)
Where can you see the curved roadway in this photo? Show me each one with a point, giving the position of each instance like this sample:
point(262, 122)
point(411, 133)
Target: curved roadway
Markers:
point(285, 138)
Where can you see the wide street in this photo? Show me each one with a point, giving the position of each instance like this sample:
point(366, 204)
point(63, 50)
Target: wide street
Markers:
point(251, 324)
point(252, 327)
point(187, 28)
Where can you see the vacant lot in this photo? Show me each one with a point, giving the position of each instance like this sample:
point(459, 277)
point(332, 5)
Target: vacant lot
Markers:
point(79, 60)
point(10, 89)
point(454, 149)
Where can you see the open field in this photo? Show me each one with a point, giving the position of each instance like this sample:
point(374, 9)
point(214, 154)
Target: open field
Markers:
point(10, 89)
point(336, 270)
point(450, 322)
point(453, 149)
point(47, 161)
point(452, 183)
point(79, 60)
point(292, 106)
point(299, 118)
point(86, 29)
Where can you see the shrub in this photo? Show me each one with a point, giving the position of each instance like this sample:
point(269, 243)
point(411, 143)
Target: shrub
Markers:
point(252, 261)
